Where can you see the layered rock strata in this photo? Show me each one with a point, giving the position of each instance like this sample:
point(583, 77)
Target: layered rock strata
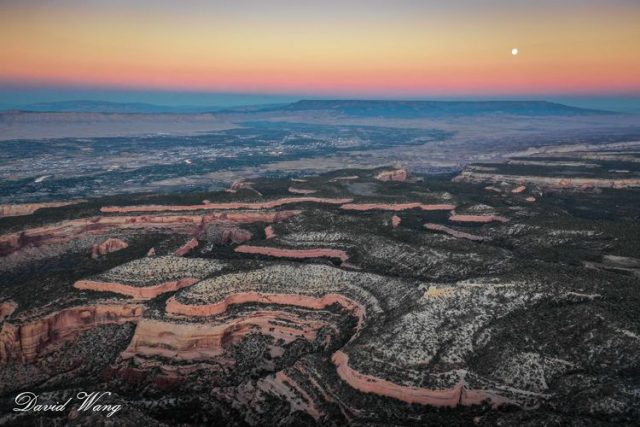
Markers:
point(25, 340)
point(552, 182)
point(452, 232)
point(147, 278)
point(108, 246)
point(293, 253)
point(29, 208)
point(393, 175)
point(397, 207)
point(69, 230)
point(224, 206)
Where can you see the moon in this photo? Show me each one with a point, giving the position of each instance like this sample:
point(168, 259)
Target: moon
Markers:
point(514, 51)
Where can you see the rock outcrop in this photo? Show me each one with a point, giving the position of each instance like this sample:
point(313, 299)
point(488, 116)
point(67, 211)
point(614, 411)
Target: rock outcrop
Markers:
point(136, 292)
point(147, 278)
point(551, 182)
point(269, 232)
point(224, 206)
point(481, 219)
point(293, 253)
point(7, 308)
point(397, 207)
point(29, 208)
point(400, 174)
point(188, 224)
point(187, 247)
point(452, 232)
point(25, 340)
point(108, 246)
point(296, 190)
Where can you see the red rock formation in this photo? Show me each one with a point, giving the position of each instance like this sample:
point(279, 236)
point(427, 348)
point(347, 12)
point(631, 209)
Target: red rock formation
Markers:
point(232, 205)
point(395, 221)
point(108, 246)
point(269, 233)
point(393, 175)
point(137, 292)
point(68, 230)
point(452, 232)
point(474, 176)
point(519, 189)
point(530, 199)
point(483, 219)
point(187, 247)
point(176, 308)
point(191, 347)
point(396, 207)
point(198, 341)
point(449, 397)
point(301, 190)
point(7, 308)
point(26, 341)
point(29, 208)
point(293, 253)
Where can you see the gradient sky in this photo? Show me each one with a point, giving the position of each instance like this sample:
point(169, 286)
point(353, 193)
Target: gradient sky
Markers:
point(404, 48)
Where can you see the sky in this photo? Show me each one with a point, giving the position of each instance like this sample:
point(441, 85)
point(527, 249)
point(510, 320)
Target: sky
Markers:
point(281, 49)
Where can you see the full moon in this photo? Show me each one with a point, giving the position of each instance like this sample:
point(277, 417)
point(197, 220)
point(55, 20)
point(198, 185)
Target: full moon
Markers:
point(514, 51)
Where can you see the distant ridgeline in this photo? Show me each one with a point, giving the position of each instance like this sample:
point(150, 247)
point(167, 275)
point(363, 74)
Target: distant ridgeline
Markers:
point(412, 109)
point(356, 108)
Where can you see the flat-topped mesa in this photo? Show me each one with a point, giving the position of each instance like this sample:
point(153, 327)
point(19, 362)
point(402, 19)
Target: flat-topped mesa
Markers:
point(136, 292)
point(397, 207)
point(108, 246)
point(551, 182)
point(295, 190)
point(223, 206)
point(318, 287)
point(29, 208)
point(293, 253)
point(146, 278)
point(481, 219)
point(452, 232)
point(400, 174)
point(213, 328)
point(68, 230)
point(27, 340)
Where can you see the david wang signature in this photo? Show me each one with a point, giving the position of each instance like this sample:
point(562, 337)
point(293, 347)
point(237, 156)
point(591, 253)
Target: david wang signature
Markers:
point(28, 402)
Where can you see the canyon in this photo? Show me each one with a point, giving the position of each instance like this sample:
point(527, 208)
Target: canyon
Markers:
point(388, 299)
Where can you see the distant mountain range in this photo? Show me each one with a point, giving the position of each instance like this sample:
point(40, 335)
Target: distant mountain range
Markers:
point(88, 106)
point(416, 109)
point(353, 108)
